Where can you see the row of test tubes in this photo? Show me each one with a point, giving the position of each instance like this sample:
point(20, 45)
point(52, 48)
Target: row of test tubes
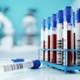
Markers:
point(61, 31)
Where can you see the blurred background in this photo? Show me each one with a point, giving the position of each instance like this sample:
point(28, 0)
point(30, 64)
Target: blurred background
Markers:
point(20, 24)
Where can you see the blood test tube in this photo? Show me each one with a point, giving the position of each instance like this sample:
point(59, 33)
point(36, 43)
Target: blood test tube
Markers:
point(74, 39)
point(68, 35)
point(53, 38)
point(78, 37)
point(43, 40)
point(59, 59)
point(47, 40)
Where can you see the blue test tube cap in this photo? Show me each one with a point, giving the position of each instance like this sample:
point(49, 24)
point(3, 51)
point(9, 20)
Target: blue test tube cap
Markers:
point(60, 16)
point(78, 15)
point(17, 60)
point(54, 17)
point(68, 14)
point(43, 24)
point(54, 21)
point(49, 23)
point(36, 63)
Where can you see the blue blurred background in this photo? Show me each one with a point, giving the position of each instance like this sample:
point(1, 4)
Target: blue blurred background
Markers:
point(18, 8)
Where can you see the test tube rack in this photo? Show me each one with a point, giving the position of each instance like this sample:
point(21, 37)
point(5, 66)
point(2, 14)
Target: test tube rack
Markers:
point(57, 66)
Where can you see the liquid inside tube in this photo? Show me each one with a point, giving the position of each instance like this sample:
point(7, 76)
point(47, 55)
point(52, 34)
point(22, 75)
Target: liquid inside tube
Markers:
point(43, 40)
point(54, 40)
point(49, 48)
point(69, 46)
point(42, 45)
point(74, 47)
point(47, 40)
point(44, 50)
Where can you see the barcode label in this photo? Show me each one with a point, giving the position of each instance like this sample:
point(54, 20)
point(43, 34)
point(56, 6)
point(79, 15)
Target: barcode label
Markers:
point(13, 67)
point(17, 66)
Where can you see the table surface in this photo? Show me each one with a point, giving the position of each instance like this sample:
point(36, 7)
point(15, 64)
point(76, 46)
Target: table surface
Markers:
point(43, 73)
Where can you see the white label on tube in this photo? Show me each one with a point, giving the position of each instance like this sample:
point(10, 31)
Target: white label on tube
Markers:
point(46, 44)
point(65, 41)
point(59, 43)
point(47, 33)
point(78, 43)
point(42, 39)
point(17, 66)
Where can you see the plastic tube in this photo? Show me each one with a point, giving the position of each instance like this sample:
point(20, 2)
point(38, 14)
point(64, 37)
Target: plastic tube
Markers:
point(53, 38)
point(59, 37)
point(78, 37)
point(74, 39)
point(47, 40)
point(68, 34)
point(21, 65)
point(43, 40)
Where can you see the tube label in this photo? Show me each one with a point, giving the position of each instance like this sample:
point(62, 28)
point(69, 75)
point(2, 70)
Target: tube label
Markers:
point(78, 43)
point(17, 66)
point(59, 44)
point(47, 44)
point(42, 57)
point(65, 42)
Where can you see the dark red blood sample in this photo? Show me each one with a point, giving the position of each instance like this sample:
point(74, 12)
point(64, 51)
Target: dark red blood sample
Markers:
point(48, 47)
point(74, 48)
point(69, 46)
point(54, 40)
point(43, 50)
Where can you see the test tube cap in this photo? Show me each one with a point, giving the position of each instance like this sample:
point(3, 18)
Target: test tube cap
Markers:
point(54, 21)
point(43, 24)
point(60, 16)
point(78, 15)
point(49, 22)
point(36, 63)
point(17, 60)
point(68, 10)
point(68, 13)
point(54, 17)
